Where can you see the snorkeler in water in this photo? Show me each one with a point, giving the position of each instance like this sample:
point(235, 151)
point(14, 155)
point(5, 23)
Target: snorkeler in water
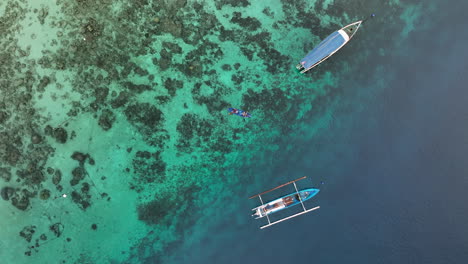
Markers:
point(239, 112)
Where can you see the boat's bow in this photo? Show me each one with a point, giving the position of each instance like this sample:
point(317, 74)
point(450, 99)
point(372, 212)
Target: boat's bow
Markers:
point(351, 29)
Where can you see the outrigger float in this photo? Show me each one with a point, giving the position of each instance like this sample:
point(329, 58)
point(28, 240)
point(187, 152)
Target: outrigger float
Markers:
point(284, 202)
point(329, 46)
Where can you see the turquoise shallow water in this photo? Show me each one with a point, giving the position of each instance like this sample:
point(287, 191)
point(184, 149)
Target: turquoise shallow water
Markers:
point(121, 106)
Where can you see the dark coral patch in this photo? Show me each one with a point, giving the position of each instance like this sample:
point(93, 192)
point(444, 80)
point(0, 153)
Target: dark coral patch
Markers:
point(248, 23)
point(83, 200)
point(222, 145)
point(156, 211)
point(159, 210)
point(266, 99)
point(274, 60)
point(172, 85)
point(59, 133)
point(121, 100)
point(146, 117)
point(165, 61)
point(233, 3)
point(32, 176)
point(20, 199)
point(212, 102)
point(138, 88)
point(193, 132)
point(190, 125)
point(237, 79)
point(172, 47)
point(148, 167)
point(101, 94)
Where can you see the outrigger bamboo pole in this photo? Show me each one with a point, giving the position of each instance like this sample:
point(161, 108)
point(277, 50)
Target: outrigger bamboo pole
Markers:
point(278, 187)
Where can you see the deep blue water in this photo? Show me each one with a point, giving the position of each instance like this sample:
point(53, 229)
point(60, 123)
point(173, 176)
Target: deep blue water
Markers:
point(395, 174)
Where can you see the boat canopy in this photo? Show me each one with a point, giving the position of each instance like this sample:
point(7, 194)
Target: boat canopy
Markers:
point(326, 48)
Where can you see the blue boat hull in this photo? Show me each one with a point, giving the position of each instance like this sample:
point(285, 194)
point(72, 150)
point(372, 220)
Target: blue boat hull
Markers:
point(327, 47)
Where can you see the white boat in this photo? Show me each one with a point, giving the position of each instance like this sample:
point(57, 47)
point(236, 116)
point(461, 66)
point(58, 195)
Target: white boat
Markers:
point(328, 47)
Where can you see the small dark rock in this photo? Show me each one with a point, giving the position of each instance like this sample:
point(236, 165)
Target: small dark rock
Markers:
point(20, 202)
point(60, 135)
point(226, 67)
point(57, 177)
point(28, 232)
point(162, 99)
point(48, 130)
point(78, 175)
point(5, 174)
point(3, 116)
point(94, 226)
point(84, 187)
point(43, 83)
point(44, 194)
point(57, 229)
point(6, 193)
point(107, 119)
point(50, 170)
point(138, 88)
point(36, 139)
point(80, 157)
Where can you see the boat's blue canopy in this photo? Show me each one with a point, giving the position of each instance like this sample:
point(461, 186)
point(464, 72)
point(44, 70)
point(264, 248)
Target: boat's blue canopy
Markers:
point(325, 48)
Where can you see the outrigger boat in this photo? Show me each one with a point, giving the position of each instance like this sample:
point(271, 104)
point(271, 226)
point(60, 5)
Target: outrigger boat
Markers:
point(328, 47)
point(284, 202)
